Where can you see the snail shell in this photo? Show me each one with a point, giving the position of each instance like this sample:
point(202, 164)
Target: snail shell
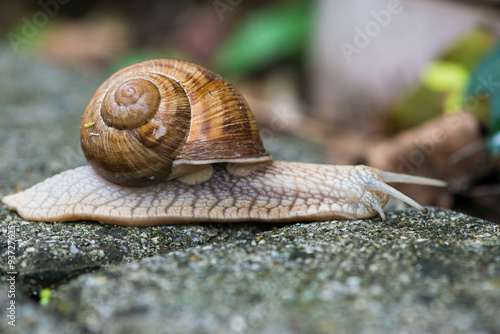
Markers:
point(155, 120)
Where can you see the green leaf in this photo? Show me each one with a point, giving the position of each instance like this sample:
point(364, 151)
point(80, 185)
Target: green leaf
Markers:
point(45, 297)
point(266, 36)
point(485, 84)
point(447, 77)
point(443, 77)
point(495, 112)
point(485, 78)
point(494, 137)
point(471, 47)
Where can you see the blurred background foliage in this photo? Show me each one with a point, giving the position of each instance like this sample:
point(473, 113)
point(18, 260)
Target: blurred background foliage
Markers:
point(265, 37)
point(236, 38)
point(344, 75)
point(444, 81)
point(485, 82)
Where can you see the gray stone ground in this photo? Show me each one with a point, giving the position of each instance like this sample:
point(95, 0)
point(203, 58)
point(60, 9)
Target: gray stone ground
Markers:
point(435, 273)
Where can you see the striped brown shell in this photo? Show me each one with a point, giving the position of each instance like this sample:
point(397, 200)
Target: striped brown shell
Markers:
point(152, 117)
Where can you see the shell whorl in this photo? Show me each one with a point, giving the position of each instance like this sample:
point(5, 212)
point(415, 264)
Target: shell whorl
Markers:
point(148, 115)
point(130, 104)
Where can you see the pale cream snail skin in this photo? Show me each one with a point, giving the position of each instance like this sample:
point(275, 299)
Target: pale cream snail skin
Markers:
point(170, 142)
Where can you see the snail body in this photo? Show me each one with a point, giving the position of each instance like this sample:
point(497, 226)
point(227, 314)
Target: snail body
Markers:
point(171, 142)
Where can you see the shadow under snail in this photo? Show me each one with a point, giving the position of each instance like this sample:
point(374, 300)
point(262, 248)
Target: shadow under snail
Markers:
point(170, 142)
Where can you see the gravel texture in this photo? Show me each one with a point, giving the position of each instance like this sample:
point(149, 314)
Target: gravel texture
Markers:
point(435, 273)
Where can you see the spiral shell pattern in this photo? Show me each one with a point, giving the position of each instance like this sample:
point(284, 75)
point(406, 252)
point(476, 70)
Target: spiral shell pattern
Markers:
point(130, 104)
point(149, 116)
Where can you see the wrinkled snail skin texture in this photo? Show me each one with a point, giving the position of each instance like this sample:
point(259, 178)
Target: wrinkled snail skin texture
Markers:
point(169, 142)
point(278, 192)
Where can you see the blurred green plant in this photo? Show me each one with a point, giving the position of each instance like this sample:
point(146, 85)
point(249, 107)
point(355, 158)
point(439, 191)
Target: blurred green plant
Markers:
point(45, 296)
point(444, 83)
point(448, 78)
point(485, 85)
point(266, 36)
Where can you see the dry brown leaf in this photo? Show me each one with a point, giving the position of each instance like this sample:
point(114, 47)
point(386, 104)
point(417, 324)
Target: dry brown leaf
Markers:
point(449, 148)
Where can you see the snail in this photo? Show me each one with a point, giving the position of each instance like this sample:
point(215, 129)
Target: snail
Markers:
point(171, 142)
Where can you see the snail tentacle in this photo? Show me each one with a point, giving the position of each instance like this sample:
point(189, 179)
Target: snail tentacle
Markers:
point(410, 179)
point(374, 184)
